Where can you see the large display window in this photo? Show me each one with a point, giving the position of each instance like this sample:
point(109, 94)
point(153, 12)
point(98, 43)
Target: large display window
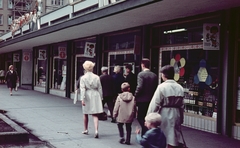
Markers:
point(122, 48)
point(197, 71)
point(59, 70)
point(85, 49)
point(41, 66)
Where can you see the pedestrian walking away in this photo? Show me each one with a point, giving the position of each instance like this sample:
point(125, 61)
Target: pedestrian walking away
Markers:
point(108, 90)
point(147, 82)
point(168, 101)
point(91, 96)
point(125, 112)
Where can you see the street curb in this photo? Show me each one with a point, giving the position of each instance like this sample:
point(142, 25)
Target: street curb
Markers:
point(19, 135)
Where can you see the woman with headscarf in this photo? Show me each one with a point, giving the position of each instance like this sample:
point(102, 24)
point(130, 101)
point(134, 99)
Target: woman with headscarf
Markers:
point(91, 96)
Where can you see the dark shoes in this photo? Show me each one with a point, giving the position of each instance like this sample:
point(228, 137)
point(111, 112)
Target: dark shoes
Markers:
point(122, 141)
point(113, 121)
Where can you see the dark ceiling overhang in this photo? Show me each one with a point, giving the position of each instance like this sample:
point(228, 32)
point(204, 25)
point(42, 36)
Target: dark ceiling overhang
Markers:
point(122, 15)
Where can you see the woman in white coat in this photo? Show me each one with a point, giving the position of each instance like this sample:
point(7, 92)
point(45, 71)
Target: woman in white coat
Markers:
point(91, 96)
point(168, 101)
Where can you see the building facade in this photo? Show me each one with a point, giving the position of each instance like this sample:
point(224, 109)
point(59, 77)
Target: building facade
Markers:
point(201, 42)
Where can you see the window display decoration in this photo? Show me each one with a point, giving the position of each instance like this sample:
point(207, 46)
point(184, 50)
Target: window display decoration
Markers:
point(89, 49)
point(42, 55)
point(178, 63)
point(62, 52)
point(211, 36)
point(16, 57)
point(202, 76)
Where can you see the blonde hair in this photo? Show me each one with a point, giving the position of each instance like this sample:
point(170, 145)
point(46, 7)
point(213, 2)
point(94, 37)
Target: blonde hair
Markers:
point(88, 65)
point(117, 69)
point(154, 119)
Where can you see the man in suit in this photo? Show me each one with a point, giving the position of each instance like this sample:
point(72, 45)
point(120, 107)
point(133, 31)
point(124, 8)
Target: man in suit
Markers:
point(147, 82)
point(108, 90)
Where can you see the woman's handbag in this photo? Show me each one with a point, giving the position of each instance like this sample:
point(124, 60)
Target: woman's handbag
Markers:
point(182, 145)
point(102, 116)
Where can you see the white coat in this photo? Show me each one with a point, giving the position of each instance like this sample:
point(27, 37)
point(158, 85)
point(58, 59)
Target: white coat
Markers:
point(91, 93)
point(168, 101)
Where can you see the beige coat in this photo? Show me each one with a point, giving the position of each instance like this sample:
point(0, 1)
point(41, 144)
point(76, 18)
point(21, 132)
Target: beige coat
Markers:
point(168, 101)
point(125, 108)
point(91, 93)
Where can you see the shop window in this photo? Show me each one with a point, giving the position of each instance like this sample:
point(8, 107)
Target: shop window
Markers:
point(121, 49)
point(180, 33)
point(41, 67)
point(197, 71)
point(85, 49)
point(59, 67)
point(238, 102)
point(238, 89)
point(122, 41)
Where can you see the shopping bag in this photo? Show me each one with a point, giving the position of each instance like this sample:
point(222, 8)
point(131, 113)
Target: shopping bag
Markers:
point(17, 85)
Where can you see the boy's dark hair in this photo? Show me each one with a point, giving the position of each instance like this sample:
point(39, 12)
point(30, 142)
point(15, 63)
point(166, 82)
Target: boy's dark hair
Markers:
point(146, 62)
point(168, 71)
point(128, 66)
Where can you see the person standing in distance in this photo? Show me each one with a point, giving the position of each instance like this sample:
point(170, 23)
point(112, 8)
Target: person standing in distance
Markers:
point(168, 101)
point(91, 96)
point(11, 79)
point(147, 82)
point(108, 90)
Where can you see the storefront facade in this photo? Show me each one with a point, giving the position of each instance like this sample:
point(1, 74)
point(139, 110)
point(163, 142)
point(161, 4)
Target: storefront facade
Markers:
point(204, 50)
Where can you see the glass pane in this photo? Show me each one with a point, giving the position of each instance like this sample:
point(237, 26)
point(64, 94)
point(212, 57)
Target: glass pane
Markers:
point(197, 71)
point(59, 66)
point(121, 41)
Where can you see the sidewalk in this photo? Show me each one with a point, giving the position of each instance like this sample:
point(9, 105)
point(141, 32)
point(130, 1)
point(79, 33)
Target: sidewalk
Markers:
point(58, 121)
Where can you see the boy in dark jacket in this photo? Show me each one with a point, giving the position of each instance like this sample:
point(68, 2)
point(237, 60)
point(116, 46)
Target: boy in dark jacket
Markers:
point(154, 137)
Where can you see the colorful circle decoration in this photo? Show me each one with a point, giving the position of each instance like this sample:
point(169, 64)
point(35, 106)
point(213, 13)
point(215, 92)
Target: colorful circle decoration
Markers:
point(178, 63)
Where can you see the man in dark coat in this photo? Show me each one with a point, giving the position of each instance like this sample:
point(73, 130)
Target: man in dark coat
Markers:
point(147, 82)
point(131, 78)
point(108, 90)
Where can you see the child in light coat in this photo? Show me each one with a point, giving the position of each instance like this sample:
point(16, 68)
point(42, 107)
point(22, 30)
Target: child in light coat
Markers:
point(124, 111)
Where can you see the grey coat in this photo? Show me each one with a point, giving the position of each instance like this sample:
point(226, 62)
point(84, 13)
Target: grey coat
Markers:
point(125, 108)
point(91, 93)
point(147, 82)
point(168, 101)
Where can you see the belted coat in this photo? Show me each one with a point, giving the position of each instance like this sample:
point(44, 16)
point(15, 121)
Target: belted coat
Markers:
point(168, 101)
point(91, 93)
